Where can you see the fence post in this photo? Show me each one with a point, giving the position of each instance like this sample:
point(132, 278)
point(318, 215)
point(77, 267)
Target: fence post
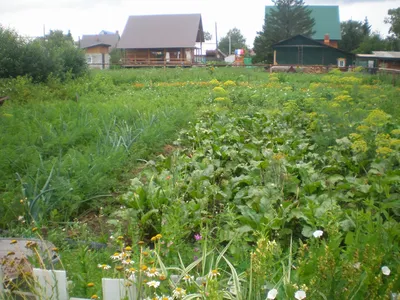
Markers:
point(51, 285)
point(117, 289)
point(1, 281)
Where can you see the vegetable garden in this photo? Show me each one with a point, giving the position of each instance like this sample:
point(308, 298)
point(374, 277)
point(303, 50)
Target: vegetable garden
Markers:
point(209, 183)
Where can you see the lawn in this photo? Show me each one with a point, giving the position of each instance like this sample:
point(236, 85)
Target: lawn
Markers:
point(215, 183)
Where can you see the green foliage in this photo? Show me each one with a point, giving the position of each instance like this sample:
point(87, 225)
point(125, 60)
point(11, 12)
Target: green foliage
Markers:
point(286, 19)
point(291, 186)
point(237, 41)
point(353, 34)
point(394, 20)
point(54, 55)
point(374, 42)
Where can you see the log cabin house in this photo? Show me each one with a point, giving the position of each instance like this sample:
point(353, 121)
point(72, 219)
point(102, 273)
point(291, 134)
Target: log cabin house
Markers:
point(163, 40)
point(97, 48)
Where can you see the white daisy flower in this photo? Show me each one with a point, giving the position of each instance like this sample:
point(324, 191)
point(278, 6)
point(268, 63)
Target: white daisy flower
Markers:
point(385, 270)
point(300, 295)
point(153, 283)
point(318, 233)
point(272, 294)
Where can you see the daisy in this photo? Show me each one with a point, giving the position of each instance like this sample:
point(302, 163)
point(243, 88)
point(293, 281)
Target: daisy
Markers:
point(318, 233)
point(152, 272)
point(178, 293)
point(300, 295)
point(272, 294)
point(153, 283)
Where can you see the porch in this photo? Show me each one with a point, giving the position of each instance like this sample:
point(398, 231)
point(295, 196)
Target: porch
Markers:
point(161, 57)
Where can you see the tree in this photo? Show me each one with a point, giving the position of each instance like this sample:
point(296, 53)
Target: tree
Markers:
point(366, 27)
point(54, 54)
point(374, 42)
point(353, 33)
point(286, 19)
point(237, 41)
point(394, 21)
point(207, 36)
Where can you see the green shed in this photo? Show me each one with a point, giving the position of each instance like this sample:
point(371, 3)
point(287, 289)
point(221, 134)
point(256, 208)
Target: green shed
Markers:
point(302, 50)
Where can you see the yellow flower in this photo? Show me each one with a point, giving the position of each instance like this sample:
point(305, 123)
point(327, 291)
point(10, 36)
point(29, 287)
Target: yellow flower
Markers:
point(395, 132)
point(355, 136)
point(34, 229)
point(278, 156)
point(143, 267)
point(359, 146)
point(140, 243)
point(383, 151)
point(363, 128)
point(162, 277)
point(229, 83)
point(119, 268)
point(153, 239)
point(94, 297)
point(128, 248)
point(394, 142)
point(377, 118)
point(90, 284)
point(120, 238)
point(13, 242)
point(10, 253)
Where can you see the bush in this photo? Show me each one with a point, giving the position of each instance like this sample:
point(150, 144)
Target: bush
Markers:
point(55, 54)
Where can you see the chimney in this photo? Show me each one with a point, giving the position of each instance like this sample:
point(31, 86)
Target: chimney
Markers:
point(326, 39)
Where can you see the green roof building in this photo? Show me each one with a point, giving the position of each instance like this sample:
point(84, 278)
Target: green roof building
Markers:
point(327, 23)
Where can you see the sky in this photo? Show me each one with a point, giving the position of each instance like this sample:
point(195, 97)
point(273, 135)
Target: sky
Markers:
point(33, 17)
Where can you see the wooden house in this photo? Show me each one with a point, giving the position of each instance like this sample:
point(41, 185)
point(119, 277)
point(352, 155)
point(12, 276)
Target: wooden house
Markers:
point(327, 23)
point(97, 48)
point(151, 40)
point(302, 50)
point(380, 59)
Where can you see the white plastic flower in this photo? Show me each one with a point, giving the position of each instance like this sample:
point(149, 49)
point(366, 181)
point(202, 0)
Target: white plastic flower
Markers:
point(272, 294)
point(300, 295)
point(153, 283)
point(385, 270)
point(318, 233)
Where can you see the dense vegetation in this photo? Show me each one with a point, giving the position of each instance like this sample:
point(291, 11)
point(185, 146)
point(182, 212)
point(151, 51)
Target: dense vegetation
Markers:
point(54, 55)
point(276, 183)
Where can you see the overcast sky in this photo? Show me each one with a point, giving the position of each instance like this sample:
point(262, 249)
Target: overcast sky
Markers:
point(91, 16)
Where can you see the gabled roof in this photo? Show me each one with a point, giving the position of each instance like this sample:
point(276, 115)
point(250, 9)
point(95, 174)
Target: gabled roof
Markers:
point(327, 21)
point(302, 40)
point(162, 31)
point(88, 41)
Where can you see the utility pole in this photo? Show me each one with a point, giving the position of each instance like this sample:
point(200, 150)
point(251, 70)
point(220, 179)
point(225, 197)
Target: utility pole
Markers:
point(230, 45)
point(216, 37)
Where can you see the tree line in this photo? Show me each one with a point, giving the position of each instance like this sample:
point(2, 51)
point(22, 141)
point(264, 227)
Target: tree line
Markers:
point(52, 55)
point(292, 17)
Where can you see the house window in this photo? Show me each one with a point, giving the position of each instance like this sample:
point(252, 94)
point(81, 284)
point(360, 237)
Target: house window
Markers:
point(341, 62)
point(89, 59)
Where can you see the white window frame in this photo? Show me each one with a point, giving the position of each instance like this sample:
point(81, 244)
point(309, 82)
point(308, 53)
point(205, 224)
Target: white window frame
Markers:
point(89, 59)
point(341, 62)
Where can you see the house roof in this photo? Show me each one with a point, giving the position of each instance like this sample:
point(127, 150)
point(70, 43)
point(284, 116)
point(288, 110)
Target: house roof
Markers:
point(306, 41)
point(162, 31)
point(88, 41)
point(327, 21)
point(391, 55)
